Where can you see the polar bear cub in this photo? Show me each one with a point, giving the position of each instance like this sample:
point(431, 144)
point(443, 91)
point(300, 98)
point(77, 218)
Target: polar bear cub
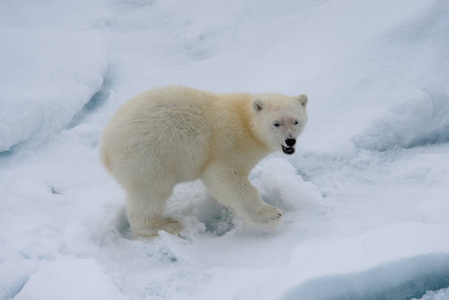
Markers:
point(176, 134)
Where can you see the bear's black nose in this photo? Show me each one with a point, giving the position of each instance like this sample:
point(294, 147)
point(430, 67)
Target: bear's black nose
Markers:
point(290, 142)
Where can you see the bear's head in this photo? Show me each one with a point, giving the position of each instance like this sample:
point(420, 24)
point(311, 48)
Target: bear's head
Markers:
point(279, 119)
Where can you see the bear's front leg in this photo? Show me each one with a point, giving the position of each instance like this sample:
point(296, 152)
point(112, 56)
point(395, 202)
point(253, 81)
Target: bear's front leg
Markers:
point(237, 192)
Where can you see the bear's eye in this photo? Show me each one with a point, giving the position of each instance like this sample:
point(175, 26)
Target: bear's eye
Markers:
point(296, 122)
point(276, 124)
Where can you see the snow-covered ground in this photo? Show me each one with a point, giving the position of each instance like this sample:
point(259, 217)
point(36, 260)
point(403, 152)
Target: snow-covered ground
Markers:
point(365, 199)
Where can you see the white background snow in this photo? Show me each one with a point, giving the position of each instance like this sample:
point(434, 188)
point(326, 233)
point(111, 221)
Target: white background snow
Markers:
point(365, 198)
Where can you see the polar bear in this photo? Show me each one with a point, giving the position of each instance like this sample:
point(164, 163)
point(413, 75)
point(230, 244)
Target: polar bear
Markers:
point(176, 134)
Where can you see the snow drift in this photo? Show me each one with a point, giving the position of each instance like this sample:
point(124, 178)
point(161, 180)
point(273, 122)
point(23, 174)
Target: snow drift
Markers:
point(47, 77)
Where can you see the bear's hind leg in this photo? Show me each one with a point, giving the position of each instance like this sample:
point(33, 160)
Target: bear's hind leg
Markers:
point(144, 209)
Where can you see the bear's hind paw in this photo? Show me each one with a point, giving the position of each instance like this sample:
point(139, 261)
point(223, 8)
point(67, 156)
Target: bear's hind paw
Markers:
point(169, 225)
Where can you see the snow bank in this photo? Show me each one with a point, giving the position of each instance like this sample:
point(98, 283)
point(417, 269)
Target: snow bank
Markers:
point(418, 118)
point(47, 77)
point(389, 77)
point(396, 280)
point(416, 107)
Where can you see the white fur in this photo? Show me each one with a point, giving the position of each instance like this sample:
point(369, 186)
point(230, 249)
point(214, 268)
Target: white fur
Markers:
point(176, 134)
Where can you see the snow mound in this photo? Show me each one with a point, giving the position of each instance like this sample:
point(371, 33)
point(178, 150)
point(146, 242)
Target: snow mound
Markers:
point(47, 77)
point(420, 118)
point(283, 187)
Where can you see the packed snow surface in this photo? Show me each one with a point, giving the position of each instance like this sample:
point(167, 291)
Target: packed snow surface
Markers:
point(365, 198)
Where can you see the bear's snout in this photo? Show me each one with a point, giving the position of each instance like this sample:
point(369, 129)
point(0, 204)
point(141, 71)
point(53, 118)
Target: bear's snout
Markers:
point(290, 142)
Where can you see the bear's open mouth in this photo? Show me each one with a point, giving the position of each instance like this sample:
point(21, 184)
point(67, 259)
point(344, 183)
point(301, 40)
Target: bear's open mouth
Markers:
point(288, 150)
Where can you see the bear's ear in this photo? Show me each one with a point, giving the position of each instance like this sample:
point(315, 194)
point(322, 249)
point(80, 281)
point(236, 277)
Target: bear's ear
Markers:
point(302, 99)
point(257, 104)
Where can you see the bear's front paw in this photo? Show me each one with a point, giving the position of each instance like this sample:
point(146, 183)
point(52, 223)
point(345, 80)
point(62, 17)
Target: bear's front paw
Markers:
point(266, 216)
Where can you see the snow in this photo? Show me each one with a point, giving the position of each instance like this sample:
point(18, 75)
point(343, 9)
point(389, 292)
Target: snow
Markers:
point(70, 279)
point(41, 92)
point(364, 199)
point(438, 295)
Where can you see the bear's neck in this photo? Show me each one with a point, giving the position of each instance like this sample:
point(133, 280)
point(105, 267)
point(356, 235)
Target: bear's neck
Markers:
point(247, 115)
